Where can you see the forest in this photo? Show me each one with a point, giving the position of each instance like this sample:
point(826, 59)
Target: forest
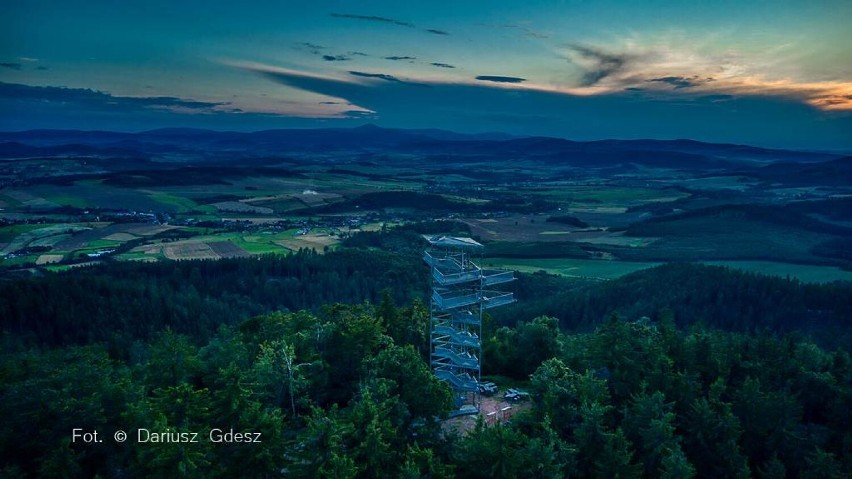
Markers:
point(678, 371)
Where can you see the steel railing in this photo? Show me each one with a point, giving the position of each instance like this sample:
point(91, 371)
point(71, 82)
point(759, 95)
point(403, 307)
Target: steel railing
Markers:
point(463, 360)
point(462, 338)
point(462, 382)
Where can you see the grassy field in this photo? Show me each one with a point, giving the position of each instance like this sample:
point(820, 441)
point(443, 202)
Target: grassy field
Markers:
point(228, 244)
point(50, 240)
point(8, 233)
point(93, 194)
point(69, 200)
point(580, 268)
point(138, 255)
point(49, 258)
point(609, 195)
point(21, 236)
point(602, 269)
point(518, 227)
point(180, 204)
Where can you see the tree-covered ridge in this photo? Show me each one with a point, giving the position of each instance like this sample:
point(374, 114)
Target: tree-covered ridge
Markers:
point(124, 302)
point(342, 393)
point(716, 297)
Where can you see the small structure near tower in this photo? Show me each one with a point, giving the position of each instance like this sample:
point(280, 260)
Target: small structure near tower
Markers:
point(461, 291)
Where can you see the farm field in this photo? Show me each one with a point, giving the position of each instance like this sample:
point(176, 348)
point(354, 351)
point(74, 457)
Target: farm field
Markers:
point(606, 194)
point(532, 211)
point(231, 245)
point(609, 269)
point(518, 228)
point(578, 268)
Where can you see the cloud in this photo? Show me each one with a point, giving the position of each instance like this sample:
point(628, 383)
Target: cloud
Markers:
point(716, 98)
point(361, 114)
point(380, 76)
point(528, 32)
point(388, 20)
point(661, 66)
point(25, 107)
point(597, 63)
point(399, 58)
point(372, 18)
point(335, 58)
point(42, 68)
point(11, 66)
point(681, 82)
point(500, 79)
point(312, 46)
point(98, 100)
point(525, 108)
point(358, 54)
point(831, 100)
point(442, 65)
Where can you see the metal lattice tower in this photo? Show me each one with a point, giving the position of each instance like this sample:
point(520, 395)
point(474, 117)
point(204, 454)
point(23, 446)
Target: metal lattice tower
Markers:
point(461, 291)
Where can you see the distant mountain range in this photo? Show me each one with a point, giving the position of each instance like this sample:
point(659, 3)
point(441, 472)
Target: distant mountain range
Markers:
point(437, 145)
point(368, 136)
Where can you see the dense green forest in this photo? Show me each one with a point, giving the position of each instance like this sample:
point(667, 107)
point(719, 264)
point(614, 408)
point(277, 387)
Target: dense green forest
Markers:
point(123, 302)
point(120, 303)
point(346, 392)
point(679, 371)
point(716, 297)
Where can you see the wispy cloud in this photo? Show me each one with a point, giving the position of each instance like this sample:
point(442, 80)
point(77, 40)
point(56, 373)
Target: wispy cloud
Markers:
point(335, 58)
point(61, 107)
point(598, 64)
point(681, 82)
point(11, 65)
point(387, 20)
point(380, 76)
point(490, 101)
point(93, 99)
point(500, 79)
point(526, 31)
point(322, 52)
point(400, 58)
point(311, 47)
point(441, 65)
point(716, 98)
point(826, 95)
point(372, 18)
point(668, 66)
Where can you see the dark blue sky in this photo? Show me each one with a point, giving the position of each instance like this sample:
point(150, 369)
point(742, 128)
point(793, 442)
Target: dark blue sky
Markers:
point(772, 73)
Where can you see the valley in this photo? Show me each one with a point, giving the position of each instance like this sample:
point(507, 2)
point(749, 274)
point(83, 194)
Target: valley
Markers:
point(595, 209)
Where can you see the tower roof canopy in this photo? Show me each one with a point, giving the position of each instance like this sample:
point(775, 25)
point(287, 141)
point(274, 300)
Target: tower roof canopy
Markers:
point(451, 241)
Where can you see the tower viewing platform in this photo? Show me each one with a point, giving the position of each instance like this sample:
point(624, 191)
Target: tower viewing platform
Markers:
point(461, 291)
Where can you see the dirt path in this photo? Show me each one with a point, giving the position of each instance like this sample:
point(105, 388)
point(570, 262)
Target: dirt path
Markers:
point(494, 410)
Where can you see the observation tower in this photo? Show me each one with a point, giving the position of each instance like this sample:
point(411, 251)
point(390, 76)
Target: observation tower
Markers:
point(461, 291)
